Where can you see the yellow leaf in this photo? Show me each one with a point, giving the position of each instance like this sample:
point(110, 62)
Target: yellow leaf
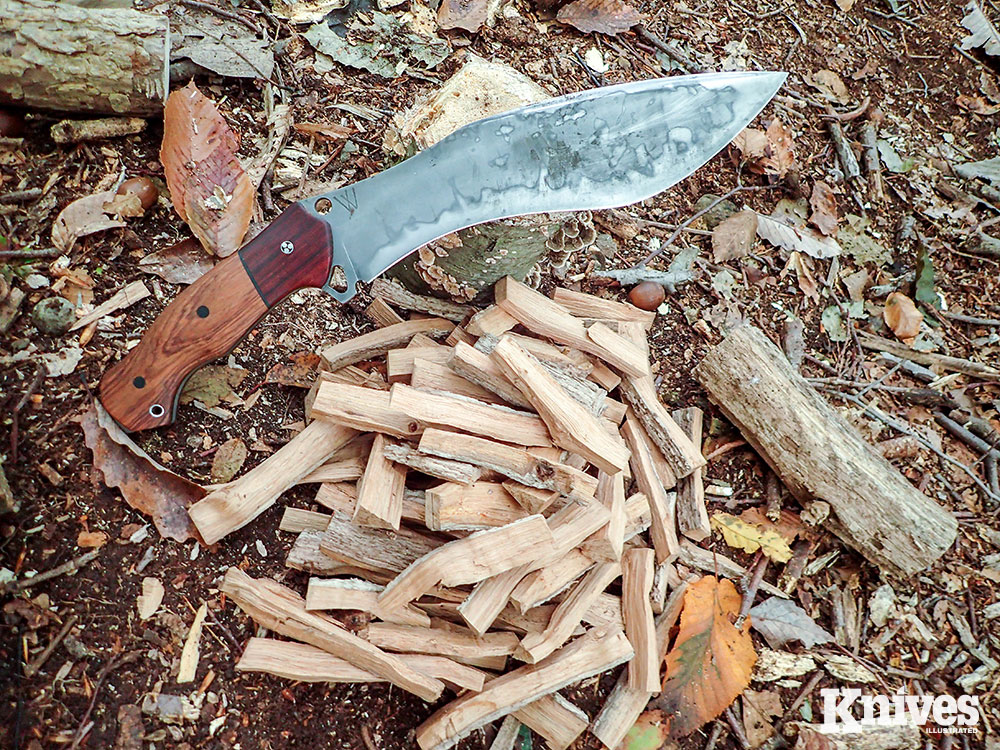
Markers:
point(711, 660)
point(750, 538)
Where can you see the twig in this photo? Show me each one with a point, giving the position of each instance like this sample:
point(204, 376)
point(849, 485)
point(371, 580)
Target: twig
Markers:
point(67, 567)
point(970, 319)
point(738, 732)
point(112, 665)
point(958, 431)
point(222, 12)
point(636, 274)
point(715, 735)
point(697, 215)
point(39, 661)
point(21, 196)
point(854, 114)
point(685, 63)
point(49, 252)
point(14, 431)
point(757, 575)
point(725, 448)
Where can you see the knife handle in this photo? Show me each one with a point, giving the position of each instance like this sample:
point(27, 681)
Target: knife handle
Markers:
point(209, 318)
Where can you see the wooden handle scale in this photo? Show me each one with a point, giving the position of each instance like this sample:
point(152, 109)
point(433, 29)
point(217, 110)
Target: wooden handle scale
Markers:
point(212, 315)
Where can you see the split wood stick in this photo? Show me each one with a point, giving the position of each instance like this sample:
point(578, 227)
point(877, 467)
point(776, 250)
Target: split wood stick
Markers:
point(359, 594)
point(381, 314)
point(349, 375)
point(491, 321)
point(479, 368)
point(480, 505)
point(584, 305)
point(512, 462)
point(341, 497)
point(435, 466)
point(541, 585)
point(305, 555)
point(379, 550)
point(625, 703)
point(469, 415)
point(363, 409)
point(681, 455)
point(692, 515)
point(663, 522)
point(606, 544)
point(541, 315)
point(460, 335)
point(507, 734)
point(605, 610)
point(472, 559)
point(605, 377)
point(456, 644)
point(280, 609)
point(403, 298)
point(555, 719)
point(573, 362)
point(818, 454)
point(378, 343)
point(637, 581)
point(569, 525)
point(297, 520)
point(400, 362)
point(715, 563)
point(435, 376)
point(124, 297)
point(614, 411)
point(593, 653)
point(304, 663)
point(531, 499)
point(236, 504)
point(567, 616)
point(380, 491)
point(345, 470)
point(572, 427)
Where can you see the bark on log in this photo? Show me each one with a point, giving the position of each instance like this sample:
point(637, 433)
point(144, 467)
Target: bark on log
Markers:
point(63, 57)
point(818, 454)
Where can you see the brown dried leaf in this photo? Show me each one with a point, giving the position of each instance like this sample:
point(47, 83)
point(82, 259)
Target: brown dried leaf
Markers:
point(208, 186)
point(734, 237)
point(802, 266)
point(601, 16)
point(789, 525)
point(228, 460)
point(145, 485)
point(463, 14)
point(759, 708)
point(976, 105)
point(752, 144)
point(212, 384)
point(299, 374)
point(824, 208)
point(183, 263)
point(831, 85)
point(82, 217)
point(127, 206)
point(711, 660)
point(780, 159)
point(89, 539)
point(903, 317)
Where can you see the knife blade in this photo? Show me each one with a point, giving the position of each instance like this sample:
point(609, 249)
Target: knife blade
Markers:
point(595, 149)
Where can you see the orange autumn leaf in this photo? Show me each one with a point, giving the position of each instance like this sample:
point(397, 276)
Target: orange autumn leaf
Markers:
point(208, 186)
point(903, 317)
point(711, 660)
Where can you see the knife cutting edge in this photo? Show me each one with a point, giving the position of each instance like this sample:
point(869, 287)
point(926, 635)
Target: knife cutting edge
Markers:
point(591, 150)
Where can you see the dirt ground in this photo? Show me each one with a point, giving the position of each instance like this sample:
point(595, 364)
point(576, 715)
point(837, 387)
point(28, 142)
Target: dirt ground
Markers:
point(902, 62)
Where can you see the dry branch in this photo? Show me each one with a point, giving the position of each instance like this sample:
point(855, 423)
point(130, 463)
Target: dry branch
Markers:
point(378, 343)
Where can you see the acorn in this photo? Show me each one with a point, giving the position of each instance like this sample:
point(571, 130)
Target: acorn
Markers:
point(143, 188)
point(647, 295)
point(11, 123)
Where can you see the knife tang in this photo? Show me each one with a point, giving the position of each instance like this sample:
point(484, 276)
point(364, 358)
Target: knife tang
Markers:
point(208, 319)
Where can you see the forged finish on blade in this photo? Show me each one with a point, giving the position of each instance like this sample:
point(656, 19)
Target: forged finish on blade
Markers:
point(597, 149)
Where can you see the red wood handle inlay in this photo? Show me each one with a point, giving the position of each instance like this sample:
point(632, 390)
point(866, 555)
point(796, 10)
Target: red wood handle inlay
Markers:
point(210, 317)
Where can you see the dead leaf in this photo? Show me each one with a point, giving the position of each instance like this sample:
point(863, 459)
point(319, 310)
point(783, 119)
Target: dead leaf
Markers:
point(780, 158)
point(759, 708)
point(782, 620)
point(82, 217)
point(802, 265)
point(183, 263)
point(62, 362)
point(902, 317)
point(35, 616)
point(228, 460)
point(145, 485)
point(150, 598)
point(91, 539)
point(601, 16)
point(301, 373)
point(751, 143)
point(711, 660)
point(212, 384)
point(208, 186)
point(830, 85)
point(976, 105)
point(983, 33)
point(127, 206)
point(749, 537)
point(788, 526)
point(463, 14)
point(824, 209)
point(325, 130)
point(845, 5)
point(798, 239)
point(649, 732)
point(734, 237)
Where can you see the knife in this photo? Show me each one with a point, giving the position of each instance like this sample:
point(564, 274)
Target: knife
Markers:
point(596, 149)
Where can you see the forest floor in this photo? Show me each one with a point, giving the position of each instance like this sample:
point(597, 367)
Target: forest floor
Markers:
point(894, 65)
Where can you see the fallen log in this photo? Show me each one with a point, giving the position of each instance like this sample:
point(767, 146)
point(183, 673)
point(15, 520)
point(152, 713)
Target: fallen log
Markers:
point(818, 454)
point(60, 56)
